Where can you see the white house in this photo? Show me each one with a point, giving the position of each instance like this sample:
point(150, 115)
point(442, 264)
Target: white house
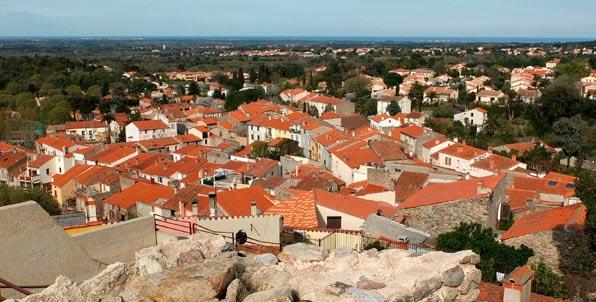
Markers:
point(433, 146)
point(91, 131)
point(474, 117)
point(405, 104)
point(149, 129)
point(487, 96)
point(439, 94)
point(458, 157)
point(386, 121)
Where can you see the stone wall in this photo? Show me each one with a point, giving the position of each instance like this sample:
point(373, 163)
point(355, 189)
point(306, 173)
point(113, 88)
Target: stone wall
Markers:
point(205, 268)
point(266, 228)
point(556, 247)
point(444, 217)
point(119, 241)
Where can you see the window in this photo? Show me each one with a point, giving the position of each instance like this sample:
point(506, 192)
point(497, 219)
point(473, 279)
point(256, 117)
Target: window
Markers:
point(448, 161)
point(48, 171)
point(334, 222)
point(159, 179)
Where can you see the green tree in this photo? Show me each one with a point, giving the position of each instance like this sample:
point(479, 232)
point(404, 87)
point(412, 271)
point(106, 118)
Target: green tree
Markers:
point(393, 79)
point(416, 95)
point(95, 91)
point(360, 86)
point(237, 98)
point(73, 90)
point(573, 133)
point(60, 113)
point(14, 195)
point(494, 256)
point(194, 89)
point(559, 99)
point(547, 282)
point(393, 108)
point(574, 69)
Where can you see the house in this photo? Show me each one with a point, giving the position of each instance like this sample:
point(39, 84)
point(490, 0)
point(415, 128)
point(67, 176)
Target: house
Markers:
point(488, 96)
point(410, 135)
point(547, 231)
point(553, 63)
point(384, 121)
point(440, 94)
point(139, 200)
point(148, 129)
point(405, 104)
point(91, 188)
point(252, 201)
point(529, 96)
point(477, 117)
point(63, 185)
point(90, 131)
point(268, 128)
point(475, 84)
point(408, 184)
point(494, 164)
point(12, 164)
point(345, 162)
point(324, 103)
point(441, 207)
point(432, 146)
point(169, 173)
point(520, 148)
point(527, 193)
point(112, 156)
point(458, 157)
point(293, 95)
point(401, 71)
point(326, 210)
point(40, 171)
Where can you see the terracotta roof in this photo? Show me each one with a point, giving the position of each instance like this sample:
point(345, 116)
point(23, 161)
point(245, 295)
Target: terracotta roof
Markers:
point(7, 160)
point(85, 124)
point(413, 131)
point(352, 206)
point(445, 192)
point(388, 150)
point(112, 155)
point(60, 180)
point(354, 157)
point(490, 292)
point(40, 160)
point(495, 162)
point(409, 183)
point(140, 192)
point(573, 216)
point(439, 90)
point(150, 125)
point(97, 174)
point(262, 166)
point(330, 137)
point(5, 147)
point(239, 116)
point(363, 187)
point(237, 202)
point(237, 166)
point(55, 142)
point(185, 166)
point(324, 99)
point(158, 143)
point(519, 199)
point(462, 151)
point(329, 115)
point(560, 177)
point(547, 186)
point(298, 212)
point(434, 142)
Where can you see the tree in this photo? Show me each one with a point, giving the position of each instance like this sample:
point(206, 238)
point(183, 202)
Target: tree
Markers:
point(194, 89)
point(60, 113)
point(574, 69)
point(494, 256)
point(360, 86)
point(416, 95)
point(393, 108)
point(547, 282)
point(559, 99)
point(573, 132)
point(237, 98)
point(14, 195)
point(393, 79)
point(95, 91)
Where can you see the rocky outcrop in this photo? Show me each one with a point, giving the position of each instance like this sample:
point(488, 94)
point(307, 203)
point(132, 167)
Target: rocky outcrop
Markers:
point(204, 269)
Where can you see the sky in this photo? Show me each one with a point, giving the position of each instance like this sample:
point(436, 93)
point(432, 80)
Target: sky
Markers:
point(380, 18)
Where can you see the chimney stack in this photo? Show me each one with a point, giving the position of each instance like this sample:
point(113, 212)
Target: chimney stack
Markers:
point(518, 285)
point(212, 204)
point(254, 210)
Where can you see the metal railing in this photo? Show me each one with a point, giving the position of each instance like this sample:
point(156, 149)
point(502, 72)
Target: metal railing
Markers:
point(171, 224)
point(23, 289)
point(229, 236)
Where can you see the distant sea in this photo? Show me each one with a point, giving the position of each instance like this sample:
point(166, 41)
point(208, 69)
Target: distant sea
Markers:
point(372, 39)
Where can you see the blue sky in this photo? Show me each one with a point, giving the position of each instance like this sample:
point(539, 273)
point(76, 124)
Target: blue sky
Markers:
point(486, 18)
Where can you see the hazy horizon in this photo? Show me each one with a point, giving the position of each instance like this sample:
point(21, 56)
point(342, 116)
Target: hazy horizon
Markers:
point(307, 18)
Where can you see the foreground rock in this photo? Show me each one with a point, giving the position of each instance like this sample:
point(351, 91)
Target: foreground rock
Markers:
point(204, 269)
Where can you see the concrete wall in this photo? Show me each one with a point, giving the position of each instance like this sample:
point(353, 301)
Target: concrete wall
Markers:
point(264, 228)
point(119, 241)
point(35, 250)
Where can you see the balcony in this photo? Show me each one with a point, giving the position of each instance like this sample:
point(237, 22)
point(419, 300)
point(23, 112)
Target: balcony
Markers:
point(36, 179)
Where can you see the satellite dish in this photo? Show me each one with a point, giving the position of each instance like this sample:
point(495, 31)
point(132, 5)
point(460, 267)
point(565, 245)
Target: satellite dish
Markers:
point(241, 237)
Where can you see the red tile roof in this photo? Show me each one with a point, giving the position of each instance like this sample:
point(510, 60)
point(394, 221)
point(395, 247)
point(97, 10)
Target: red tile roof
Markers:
point(388, 150)
point(55, 142)
point(445, 192)
point(84, 124)
point(5, 147)
point(463, 151)
point(60, 180)
point(237, 202)
point(360, 188)
point(140, 192)
point(409, 183)
point(354, 158)
point(262, 166)
point(298, 212)
point(413, 131)
point(112, 155)
point(7, 160)
point(496, 163)
point(547, 186)
point(560, 177)
point(150, 125)
point(352, 206)
point(97, 174)
point(573, 216)
point(40, 160)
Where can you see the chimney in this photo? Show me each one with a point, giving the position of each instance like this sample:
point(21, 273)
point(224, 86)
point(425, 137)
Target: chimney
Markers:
point(518, 285)
point(254, 210)
point(212, 204)
point(181, 210)
point(195, 208)
point(455, 139)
